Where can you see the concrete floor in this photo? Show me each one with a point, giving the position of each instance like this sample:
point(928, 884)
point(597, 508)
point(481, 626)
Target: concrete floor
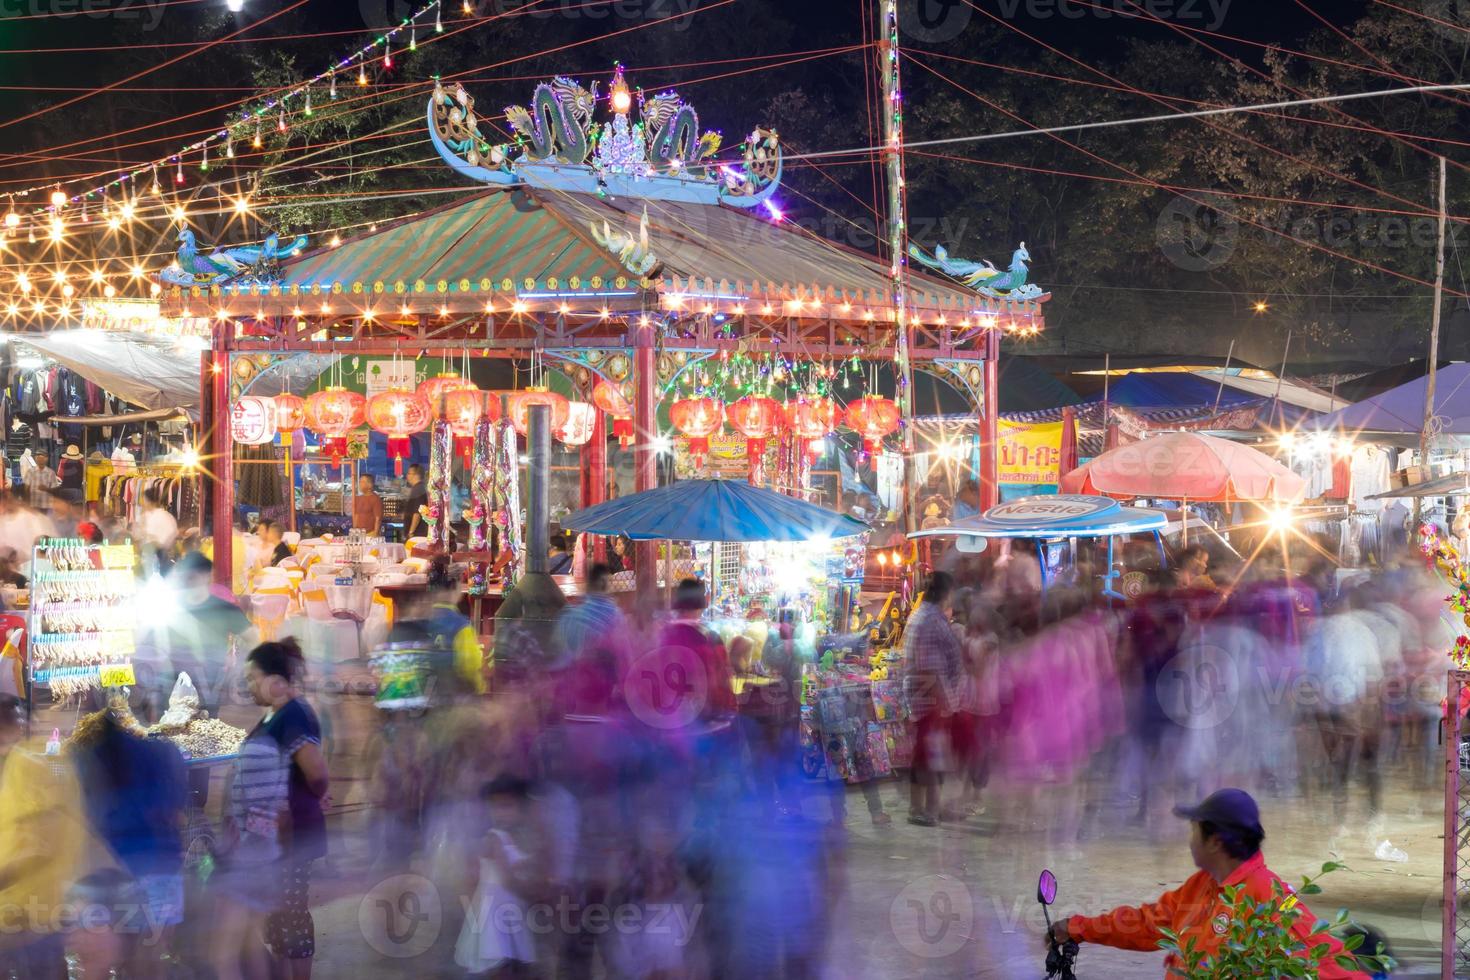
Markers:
point(956, 901)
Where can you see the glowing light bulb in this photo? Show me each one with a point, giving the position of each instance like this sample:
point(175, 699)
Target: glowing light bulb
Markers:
point(242, 205)
point(519, 306)
point(12, 220)
point(109, 291)
point(180, 215)
point(114, 223)
point(136, 271)
point(234, 6)
point(58, 198)
point(336, 240)
point(57, 230)
point(362, 74)
point(97, 276)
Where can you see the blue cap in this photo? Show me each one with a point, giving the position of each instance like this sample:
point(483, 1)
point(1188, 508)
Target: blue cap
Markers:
point(1226, 808)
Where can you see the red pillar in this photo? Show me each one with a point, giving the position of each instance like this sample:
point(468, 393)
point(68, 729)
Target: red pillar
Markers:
point(990, 427)
point(594, 476)
point(645, 457)
point(220, 457)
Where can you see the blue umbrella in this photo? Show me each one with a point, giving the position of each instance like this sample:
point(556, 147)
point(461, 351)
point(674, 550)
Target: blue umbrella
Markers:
point(712, 510)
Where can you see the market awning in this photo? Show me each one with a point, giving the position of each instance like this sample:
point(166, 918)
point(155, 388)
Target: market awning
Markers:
point(127, 418)
point(1401, 410)
point(1053, 516)
point(1454, 485)
point(148, 371)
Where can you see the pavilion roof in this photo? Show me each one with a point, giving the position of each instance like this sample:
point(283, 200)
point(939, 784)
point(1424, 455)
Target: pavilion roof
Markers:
point(537, 247)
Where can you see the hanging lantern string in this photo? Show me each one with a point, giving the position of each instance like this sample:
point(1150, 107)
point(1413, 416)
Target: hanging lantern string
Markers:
point(247, 115)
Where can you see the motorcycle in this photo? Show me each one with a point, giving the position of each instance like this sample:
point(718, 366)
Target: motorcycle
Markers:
point(1060, 957)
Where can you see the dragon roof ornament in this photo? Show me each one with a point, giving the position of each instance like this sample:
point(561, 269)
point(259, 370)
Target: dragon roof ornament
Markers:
point(559, 145)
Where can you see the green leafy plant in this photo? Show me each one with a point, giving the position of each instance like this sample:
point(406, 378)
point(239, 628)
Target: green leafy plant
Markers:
point(1259, 941)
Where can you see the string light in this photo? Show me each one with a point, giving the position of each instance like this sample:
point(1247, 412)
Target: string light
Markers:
point(242, 205)
point(413, 37)
point(58, 198)
point(438, 20)
point(230, 148)
point(281, 121)
point(256, 142)
point(179, 174)
point(308, 102)
point(12, 220)
point(362, 74)
point(332, 88)
point(204, 160)
point(388, 54)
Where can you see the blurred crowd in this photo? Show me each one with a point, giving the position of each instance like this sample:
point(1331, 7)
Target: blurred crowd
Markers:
point(619, 792)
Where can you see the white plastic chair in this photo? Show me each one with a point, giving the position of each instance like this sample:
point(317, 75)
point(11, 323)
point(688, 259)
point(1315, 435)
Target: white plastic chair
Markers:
point(331, 639)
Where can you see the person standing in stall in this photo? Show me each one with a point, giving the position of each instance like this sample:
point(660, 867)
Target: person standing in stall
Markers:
point(156, 529)
point(367, 507)
point(418, 496)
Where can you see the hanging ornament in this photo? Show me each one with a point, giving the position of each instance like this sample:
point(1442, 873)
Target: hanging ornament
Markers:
point(281, 121)
point(413, 37)
point(438, 19)
point(610, 398)
point(388, 53)
point(434, 390)
point(361, 74)
point(698, 418)
point(398, 413)
point(290, 416)
point(332, 87)
point(521, 402)
point(577, 430)
point(872, 417)
point(256, 142)
point(811, 420)
point(332, 413)
point(308, 102)
point(179, 175)
point(156, 189)
point(464, 410)
point(230, 147)
point(757, 418)
point(204, 159)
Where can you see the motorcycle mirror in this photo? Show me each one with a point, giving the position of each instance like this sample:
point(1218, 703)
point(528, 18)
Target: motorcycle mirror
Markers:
point(1046, 888)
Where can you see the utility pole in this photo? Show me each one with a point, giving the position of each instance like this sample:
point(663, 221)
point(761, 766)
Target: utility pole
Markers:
point(892, 109)
point(1424, 431)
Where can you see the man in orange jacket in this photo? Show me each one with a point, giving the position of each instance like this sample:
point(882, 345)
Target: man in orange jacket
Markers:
point(1225, 841)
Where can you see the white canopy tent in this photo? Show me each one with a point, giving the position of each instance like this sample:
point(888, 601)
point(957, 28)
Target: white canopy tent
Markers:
point(155, 373)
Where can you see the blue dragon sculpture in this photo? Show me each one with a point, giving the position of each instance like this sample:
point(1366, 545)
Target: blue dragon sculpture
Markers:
point(983, 277)
point(556, 126)
point(559, 146)
point(674, 138)
point(254, 263)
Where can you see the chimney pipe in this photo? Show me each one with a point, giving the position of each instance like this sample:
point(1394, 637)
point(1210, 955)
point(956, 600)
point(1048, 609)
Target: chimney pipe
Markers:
point(538, 506)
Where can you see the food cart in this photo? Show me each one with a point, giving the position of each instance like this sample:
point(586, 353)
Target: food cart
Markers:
point(1055, 524)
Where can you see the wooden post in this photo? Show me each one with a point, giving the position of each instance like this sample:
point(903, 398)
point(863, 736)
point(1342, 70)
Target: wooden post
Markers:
point(990, 443)
point(1433, 345)
point(594, 476)
point(645, 453)
point(219, 461)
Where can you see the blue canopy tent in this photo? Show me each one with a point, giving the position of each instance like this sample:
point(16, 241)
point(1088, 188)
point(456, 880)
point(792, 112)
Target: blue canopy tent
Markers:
point(1053, 518)
point(1400, 411)
point(712, 510)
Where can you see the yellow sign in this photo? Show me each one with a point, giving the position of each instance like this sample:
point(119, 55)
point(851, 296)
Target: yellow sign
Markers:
point(116, 675)
point(1030, 452)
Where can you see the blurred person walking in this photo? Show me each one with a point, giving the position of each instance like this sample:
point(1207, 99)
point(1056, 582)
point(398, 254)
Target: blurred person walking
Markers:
point(273, 671)
point(931, 677)
point(136, 793)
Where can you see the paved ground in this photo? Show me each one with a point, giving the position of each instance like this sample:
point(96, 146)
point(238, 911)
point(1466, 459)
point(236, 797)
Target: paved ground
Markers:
point(957, 901)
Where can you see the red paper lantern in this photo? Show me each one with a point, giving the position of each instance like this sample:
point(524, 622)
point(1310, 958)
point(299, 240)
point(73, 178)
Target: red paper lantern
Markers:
point(521, 402)
point(290, 416)
point(810, 420)
point(581, 420)
point(436, 388)
point(332, 413)
point(610, 398)
point(398, 413)
point(872, 417)
point(463, 410)
point(698, 418)
point(757, 418)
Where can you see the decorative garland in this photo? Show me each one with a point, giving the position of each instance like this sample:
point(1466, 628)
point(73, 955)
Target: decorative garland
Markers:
point(1444, 555)
point(440, 456)
point(508, 498)
point(482, 500)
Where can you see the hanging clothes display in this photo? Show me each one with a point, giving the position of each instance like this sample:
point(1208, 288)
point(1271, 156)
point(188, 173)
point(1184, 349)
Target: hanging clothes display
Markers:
point(177, 493)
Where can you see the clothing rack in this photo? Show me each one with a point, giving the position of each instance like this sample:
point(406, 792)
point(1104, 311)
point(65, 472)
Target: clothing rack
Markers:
point(183, 501)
